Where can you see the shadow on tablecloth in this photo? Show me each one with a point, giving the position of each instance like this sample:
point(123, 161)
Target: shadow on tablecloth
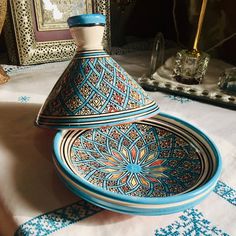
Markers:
point(30, 151)
point(36, 185)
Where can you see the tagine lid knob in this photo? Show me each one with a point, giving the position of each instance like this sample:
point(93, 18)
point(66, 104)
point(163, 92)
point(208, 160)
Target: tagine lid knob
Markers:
point(86, 20)
point(87, 31)
point(94, 90)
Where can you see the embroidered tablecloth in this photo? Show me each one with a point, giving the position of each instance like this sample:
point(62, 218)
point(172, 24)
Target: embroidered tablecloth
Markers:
point(33, 201)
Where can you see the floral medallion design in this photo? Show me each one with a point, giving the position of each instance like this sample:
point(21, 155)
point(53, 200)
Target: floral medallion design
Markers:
point(136, 159)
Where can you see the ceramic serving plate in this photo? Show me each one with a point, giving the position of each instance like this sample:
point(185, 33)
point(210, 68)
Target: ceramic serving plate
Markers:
point(158, 166)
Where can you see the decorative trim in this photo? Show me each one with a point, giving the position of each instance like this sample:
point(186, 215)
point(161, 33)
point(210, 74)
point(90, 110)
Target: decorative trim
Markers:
point(192, 222)
point(23, 99)
point(179, 99)
point(50, 222)
point(13, 69)
point(226, 192)
point(164, 83)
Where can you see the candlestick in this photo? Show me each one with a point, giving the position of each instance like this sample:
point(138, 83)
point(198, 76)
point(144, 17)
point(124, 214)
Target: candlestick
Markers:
point(191, 65)
point(199, 26)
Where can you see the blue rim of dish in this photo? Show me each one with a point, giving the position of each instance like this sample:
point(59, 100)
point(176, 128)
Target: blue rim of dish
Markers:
point(84, 193)
point(86, 20)
point(146, 200)
point(131, 210)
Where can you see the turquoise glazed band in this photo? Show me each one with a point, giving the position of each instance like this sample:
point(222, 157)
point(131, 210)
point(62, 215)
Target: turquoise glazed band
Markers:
point(86, 20)
point(138, 210)
point(98, 120)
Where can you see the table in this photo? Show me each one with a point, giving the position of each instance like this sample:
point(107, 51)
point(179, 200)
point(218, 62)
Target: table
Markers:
point(33, 201)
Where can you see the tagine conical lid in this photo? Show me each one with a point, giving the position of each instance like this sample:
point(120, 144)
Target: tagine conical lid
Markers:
point(93, 91)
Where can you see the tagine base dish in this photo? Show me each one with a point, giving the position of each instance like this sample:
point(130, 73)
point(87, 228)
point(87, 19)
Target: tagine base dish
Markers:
point(158, 166)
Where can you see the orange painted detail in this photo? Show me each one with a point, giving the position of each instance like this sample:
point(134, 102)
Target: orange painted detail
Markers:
point(111, 109)
point(109, 163)
point(133, 153)
point(157, 163)
point(152, 179)
point(117, 155)
point(124, 180)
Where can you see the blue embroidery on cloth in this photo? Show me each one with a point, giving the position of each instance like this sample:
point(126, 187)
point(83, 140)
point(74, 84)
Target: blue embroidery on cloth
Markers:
point(226, 192)
point(23, 99)
point(50, 222)
point(178, 98)
point(192, 222)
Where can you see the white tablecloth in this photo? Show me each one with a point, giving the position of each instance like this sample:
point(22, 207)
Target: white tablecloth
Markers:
point(33, 201)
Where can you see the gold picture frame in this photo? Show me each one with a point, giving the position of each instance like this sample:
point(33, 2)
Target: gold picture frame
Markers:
point(33, 50)
point(52, 15)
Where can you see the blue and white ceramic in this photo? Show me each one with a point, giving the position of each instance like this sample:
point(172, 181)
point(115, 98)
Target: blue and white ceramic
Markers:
point(94, 91)
point(156, 166)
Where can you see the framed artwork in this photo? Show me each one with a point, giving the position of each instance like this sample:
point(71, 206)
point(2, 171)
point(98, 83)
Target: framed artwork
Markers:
point(40, 30)
point(52, 14)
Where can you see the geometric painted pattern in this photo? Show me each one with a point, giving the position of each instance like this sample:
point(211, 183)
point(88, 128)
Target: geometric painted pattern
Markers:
point(94, 85)
point(94, 91)
point(136, 160)
point(192, 222)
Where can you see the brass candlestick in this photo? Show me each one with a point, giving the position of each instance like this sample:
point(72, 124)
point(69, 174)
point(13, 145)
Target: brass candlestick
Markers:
point(199, 26)
point(3, 10)
point(191, 65)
